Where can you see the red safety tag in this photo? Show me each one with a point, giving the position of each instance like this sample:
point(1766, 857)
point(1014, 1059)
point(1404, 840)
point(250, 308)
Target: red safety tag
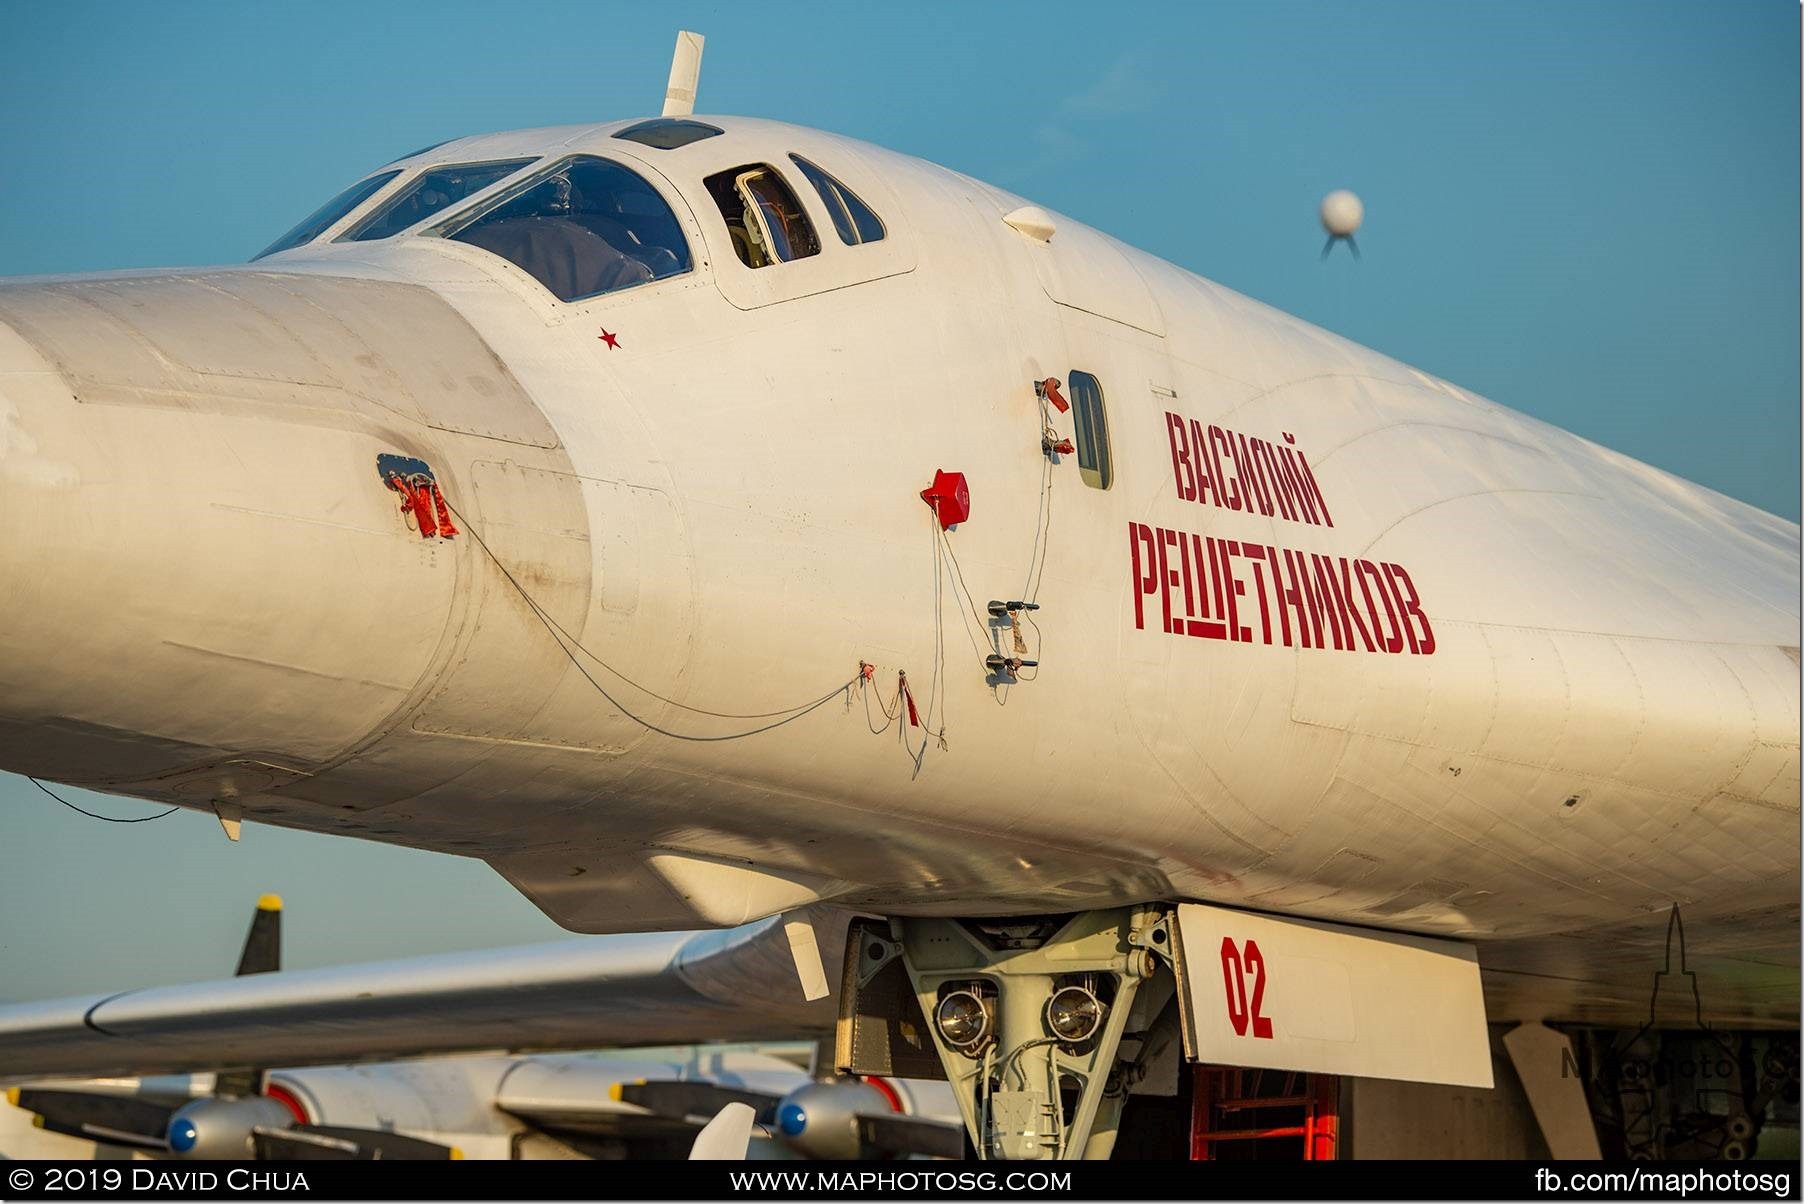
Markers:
point(444, 512)
point(417, 501)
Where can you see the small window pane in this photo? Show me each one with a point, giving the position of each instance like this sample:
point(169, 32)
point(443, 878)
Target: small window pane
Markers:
point(1092, 427)
point(668, 133)
point(430, 193)
point(765, 220)
point(328, 214)
point(587, 226)
point(852, 218)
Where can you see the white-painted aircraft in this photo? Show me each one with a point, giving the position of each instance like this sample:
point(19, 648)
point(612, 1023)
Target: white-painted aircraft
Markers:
point(705, 519)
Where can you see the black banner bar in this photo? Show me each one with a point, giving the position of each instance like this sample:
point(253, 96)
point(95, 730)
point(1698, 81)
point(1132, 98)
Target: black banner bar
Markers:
point(169, 1180)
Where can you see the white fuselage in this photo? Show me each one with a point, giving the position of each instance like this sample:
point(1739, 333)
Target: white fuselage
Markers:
point(1526, 686)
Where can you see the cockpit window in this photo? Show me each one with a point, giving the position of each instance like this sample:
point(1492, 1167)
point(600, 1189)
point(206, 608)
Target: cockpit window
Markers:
point(328, 214)
point(668, 133)
point(583, 227)
point(429, 193)
point(852, 218)
point(767, 224)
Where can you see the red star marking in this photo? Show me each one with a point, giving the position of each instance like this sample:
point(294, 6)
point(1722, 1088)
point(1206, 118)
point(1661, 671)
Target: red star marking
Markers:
point(611, 339)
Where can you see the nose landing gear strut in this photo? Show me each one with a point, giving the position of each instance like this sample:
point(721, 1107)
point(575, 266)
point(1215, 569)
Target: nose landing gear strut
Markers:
point(1027, 1016)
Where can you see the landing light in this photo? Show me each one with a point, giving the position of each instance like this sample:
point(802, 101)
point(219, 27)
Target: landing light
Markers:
point(964, 1019)
point(1073, 1014)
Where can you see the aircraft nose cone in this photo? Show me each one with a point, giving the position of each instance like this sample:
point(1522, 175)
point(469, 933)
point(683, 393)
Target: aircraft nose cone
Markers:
point(209, 590)
point(199, 561)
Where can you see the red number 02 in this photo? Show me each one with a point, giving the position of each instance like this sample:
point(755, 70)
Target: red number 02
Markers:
point(1235, 967)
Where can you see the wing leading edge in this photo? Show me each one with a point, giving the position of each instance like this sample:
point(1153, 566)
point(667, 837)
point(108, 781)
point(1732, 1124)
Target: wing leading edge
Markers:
point(636, 989)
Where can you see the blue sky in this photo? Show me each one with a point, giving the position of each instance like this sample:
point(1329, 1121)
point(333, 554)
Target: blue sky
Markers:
point(1587, 212)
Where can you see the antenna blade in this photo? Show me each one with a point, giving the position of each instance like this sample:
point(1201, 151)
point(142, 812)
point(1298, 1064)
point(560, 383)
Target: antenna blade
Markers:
point(685, 75)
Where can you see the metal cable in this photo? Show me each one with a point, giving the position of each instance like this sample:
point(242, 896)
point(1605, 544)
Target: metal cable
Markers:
point(559, 635)
point(142, 819)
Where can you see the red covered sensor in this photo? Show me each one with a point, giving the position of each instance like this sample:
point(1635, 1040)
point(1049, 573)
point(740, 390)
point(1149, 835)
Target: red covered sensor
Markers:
point(949, 496)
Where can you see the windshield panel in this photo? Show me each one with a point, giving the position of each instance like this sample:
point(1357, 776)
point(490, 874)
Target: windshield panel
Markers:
point(430, 193)
point(328, 214)
point(586, 226)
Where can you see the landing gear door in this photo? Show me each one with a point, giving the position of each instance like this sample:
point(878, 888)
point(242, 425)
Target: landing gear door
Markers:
point(1265, 991)
point(882, 1030)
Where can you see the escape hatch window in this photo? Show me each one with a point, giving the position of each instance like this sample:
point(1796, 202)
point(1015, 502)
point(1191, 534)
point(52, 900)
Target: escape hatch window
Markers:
point(328, 214)
point(1092, 427)
point(429, 193)
point(668, 133)
point(764, 218)
point(852, 218)
point(582, 227)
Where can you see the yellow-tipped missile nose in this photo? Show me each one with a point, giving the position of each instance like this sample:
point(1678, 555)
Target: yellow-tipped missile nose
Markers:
point(269, 903)
point(12, 1096)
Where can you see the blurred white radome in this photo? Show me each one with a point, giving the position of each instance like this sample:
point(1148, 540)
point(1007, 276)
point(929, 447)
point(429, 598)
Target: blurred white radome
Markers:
point(1342, 211)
